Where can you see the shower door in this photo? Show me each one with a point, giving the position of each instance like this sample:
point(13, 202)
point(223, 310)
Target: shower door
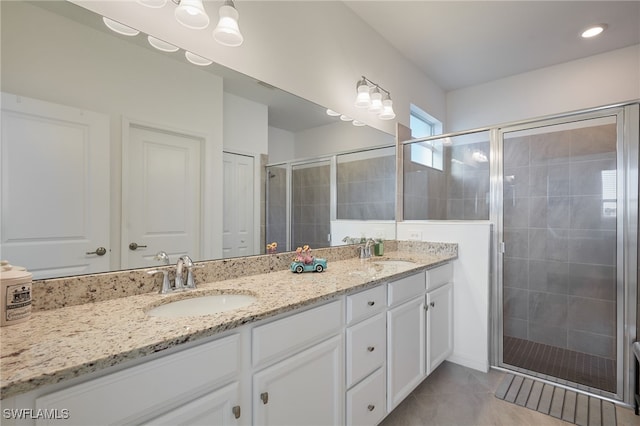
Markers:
point(561, 277)
point(310, 204)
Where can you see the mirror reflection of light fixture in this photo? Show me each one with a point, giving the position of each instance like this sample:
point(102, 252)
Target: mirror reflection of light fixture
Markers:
point(369, 96)
point(345, 118)
point(196, 59)
point(119, 28)
point(227, 31)
point(357, 123)
point(162, 45)
point(191, 14)
point(332, 113)
point(155, 4)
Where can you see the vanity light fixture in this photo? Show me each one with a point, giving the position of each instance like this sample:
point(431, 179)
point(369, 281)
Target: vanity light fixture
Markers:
point(162, 45)
point(227, 31)
point(119, 28)
point(191, 14)
point(369, 96)
point(196, 59)
point(594, 31)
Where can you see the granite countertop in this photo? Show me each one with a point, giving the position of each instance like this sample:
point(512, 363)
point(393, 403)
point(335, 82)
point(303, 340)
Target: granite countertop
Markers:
point(60, 344)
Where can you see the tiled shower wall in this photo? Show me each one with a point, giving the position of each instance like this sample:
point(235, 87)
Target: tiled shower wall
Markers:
point(458, 192)
point(310, 199)
point(276, 181)
point(367, 188)
point(560, 237)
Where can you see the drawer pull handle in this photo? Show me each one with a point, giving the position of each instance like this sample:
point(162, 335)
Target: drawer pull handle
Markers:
point(236, 411)
point(371, 407)
point(371, 348)
point(371, 303)
point(264, 396)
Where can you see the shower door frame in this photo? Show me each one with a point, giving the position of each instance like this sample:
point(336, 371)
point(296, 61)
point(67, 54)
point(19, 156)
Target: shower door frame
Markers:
point(626, 240)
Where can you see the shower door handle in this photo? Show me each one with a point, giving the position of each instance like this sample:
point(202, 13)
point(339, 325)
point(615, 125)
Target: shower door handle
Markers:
point(502, 248)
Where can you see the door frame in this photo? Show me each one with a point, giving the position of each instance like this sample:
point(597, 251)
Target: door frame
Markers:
point(206, 196)
point(627, 157)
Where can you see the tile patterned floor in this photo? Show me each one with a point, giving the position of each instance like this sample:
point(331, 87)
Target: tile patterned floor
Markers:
point(456, 395)
point(569, 365)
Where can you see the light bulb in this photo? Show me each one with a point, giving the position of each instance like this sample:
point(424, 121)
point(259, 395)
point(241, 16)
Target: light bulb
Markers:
point(387, 110)
point(363, 99)
point(376, 101)
point(191, 14)
point(227, 31)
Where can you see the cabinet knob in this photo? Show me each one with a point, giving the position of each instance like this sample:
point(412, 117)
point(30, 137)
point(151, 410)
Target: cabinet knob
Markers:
point(371, 303)
point(371, 407)
point(433, 304)
point(264, 396)
point(236, 411)
point(371, 348)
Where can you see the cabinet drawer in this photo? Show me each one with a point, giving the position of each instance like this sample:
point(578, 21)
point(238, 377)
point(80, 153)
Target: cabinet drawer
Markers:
point(138, 392)
point(366, 402)
point(439, 276)
point(280, 338)
point(366, 347)
point(366, 303)
point(406, 288)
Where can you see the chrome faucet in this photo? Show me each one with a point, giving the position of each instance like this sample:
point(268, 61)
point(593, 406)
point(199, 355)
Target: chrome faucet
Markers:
point(183, 263)
point(365, 250)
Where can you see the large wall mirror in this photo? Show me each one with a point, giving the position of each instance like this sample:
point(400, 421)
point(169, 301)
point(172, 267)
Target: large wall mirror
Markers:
point(113, 151)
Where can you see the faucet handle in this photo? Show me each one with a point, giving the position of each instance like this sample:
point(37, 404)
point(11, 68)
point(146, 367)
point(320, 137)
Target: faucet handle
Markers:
point(166, 285)
point(190, 281)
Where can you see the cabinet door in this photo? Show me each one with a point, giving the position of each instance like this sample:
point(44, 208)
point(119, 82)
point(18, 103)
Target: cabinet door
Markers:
point(405, 350)
point(305, 389)
point(220, 407)
point(439, 326)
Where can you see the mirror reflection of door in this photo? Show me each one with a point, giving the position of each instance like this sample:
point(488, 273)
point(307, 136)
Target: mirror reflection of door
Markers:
point(55, 188)
point(162, 175)
point(238, 205)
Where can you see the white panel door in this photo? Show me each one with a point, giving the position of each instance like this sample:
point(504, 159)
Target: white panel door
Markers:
point(161, 187)
point(55, 187)
point(238, 205)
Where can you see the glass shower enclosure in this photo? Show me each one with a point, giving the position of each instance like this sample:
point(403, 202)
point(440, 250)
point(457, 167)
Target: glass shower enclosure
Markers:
point(562, 216)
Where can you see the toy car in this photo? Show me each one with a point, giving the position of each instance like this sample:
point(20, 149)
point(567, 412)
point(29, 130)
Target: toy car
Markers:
point(317, 265)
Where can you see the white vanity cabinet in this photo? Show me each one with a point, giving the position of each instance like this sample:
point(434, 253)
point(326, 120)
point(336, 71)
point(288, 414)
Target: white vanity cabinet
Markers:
point(201, 382)
point(302, 381)
point(366, 344)
point(439, 305)
point(405, 337)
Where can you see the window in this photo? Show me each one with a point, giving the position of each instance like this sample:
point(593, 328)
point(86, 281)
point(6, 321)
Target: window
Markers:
point(422, 125)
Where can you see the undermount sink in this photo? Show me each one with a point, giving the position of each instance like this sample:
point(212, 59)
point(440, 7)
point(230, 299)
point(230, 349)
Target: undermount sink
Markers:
point(202, 305)
point(394, 263)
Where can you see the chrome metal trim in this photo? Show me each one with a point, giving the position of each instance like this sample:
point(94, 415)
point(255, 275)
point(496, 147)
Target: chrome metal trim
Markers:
point(304, 160)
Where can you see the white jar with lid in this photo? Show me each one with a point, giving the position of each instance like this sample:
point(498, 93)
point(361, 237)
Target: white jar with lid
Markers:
point(15, 286)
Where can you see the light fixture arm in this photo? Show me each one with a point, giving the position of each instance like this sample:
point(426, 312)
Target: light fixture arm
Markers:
point(370, 83)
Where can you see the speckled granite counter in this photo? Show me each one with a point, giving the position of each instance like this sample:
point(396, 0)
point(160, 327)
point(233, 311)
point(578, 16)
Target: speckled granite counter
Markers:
point(59, 344)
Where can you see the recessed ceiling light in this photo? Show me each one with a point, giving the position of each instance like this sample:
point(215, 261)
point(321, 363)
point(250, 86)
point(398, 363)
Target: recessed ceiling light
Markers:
point(119, 28)
point(594, 31)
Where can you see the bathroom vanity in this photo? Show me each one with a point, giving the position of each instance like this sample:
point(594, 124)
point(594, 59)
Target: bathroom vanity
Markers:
point(341, 347)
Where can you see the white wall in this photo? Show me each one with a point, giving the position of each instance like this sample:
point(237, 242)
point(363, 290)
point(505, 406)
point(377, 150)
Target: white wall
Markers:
point(281, 145)
point(338, 137)
point(245, 126)
point(50, 59)
point(315, 50)
point(590, 82)
point(470, 284)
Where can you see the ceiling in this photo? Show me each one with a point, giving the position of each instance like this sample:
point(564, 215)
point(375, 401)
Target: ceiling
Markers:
point(464, 43)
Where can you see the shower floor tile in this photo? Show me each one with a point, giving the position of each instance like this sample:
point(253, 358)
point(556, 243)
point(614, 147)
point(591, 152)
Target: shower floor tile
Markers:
point(576, 367)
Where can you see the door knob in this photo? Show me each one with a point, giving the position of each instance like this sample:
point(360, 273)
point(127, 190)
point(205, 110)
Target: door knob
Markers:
point(135, 246)
point(100, 251)
point(264, 396)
